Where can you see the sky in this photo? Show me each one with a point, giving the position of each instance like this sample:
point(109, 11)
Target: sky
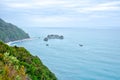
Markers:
point(61, 13)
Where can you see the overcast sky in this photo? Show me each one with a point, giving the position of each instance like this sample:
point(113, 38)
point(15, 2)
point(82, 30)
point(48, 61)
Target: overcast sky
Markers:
point(61, 13)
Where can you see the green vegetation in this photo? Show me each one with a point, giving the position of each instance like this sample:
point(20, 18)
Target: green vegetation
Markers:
point(9, 32)
point(16, 63)
point(10, 68)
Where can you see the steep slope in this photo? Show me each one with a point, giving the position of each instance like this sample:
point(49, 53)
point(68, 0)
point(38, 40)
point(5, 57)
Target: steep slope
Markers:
point(16, 63)
point(10, 32)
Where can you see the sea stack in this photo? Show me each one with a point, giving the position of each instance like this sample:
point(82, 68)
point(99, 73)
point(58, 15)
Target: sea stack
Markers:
point(46, 39)
point(80, 45)
point(52, 36)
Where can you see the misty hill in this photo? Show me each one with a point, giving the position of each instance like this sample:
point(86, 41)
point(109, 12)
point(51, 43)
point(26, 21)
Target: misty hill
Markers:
point(10, 32)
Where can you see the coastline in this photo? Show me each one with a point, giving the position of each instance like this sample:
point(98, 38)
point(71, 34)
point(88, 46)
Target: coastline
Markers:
point(17, 41)
point(21, 55)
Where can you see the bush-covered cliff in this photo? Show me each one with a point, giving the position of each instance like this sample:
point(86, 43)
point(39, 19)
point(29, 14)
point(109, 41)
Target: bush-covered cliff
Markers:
point(16, 63)
point(10, 32)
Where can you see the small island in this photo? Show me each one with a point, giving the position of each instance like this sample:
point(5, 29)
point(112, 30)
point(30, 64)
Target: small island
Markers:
point(53, 36)
point(80, 45)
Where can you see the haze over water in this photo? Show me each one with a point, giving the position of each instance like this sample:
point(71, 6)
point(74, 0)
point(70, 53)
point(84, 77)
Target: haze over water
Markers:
point(98, 59)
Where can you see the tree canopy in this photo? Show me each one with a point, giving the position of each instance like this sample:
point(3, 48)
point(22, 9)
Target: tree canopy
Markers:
point(16, 63)
point(10, 32)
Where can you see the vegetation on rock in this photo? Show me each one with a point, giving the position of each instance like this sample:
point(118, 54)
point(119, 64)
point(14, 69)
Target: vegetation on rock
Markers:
point(10, 32)
point(16, 63)
point(53, 36)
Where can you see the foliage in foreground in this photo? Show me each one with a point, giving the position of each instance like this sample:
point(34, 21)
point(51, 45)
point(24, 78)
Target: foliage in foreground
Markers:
point(16, 63)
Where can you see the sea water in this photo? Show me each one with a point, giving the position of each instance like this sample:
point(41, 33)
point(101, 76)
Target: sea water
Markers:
point(97, 59)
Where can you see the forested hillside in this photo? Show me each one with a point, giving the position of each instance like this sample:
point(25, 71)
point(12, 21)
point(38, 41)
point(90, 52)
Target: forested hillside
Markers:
point(10, 32)
point(16, 63)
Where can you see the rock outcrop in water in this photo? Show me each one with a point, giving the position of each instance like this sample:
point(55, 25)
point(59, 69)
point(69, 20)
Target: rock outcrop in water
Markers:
point(47, 44)
point(52, 36)
point(46, 39)
point(10, 32)
point(80, 45)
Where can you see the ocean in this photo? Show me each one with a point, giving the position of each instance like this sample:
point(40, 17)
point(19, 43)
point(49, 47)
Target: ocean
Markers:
point(97, 59)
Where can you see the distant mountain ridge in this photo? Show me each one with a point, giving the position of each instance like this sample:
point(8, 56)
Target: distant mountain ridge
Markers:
point(10, 32)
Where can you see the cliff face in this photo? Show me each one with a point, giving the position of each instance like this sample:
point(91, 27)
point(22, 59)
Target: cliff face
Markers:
point(16, 63)
point(10, 32)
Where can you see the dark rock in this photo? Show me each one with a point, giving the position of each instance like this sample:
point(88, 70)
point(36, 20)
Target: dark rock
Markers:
point(80, 45)
point(61, 37)
point(52, 36)
point(46, 39)
point(47, 44)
